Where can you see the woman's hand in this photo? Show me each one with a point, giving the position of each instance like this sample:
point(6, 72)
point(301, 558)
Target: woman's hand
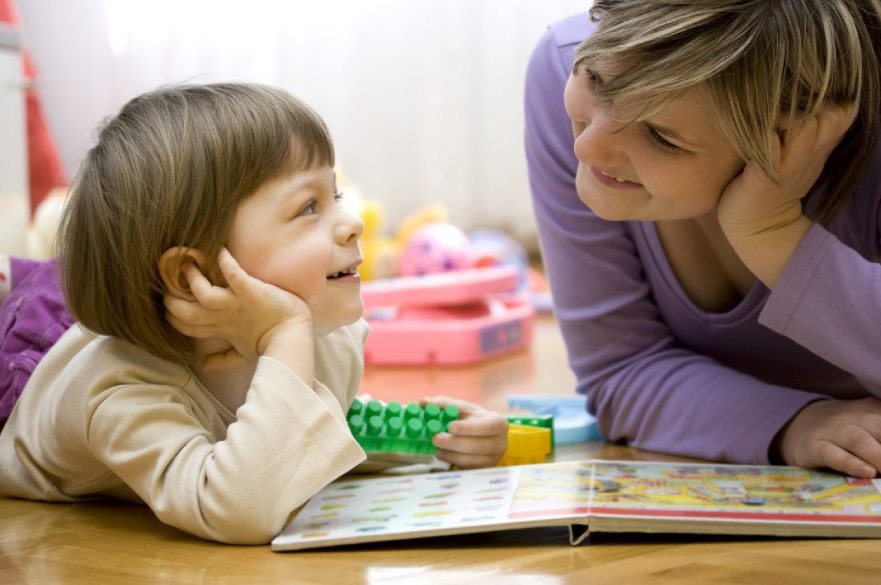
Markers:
point(844, 435)
point(478, 438)
point(248, 313)
point(763, 218)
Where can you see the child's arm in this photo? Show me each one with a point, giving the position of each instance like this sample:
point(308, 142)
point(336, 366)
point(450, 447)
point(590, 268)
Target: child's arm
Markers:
point(478, 439)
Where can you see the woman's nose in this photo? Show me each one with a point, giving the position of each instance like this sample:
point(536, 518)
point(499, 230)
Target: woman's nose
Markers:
point(597, 140)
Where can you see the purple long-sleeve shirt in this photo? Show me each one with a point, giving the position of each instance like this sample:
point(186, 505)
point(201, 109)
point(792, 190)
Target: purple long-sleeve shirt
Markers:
point(659, 371)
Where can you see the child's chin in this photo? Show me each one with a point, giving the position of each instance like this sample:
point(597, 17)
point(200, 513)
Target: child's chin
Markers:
point(341, 321)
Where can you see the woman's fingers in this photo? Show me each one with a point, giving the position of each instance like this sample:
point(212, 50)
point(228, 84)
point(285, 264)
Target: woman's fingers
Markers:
point(839, 459)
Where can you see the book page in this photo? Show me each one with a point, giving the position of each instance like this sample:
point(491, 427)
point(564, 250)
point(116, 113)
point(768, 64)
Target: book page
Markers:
point(734, 492)
point(438, 503)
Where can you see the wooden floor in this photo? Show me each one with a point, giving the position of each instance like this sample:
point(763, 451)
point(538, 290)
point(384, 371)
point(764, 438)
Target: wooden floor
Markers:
point(116, 543)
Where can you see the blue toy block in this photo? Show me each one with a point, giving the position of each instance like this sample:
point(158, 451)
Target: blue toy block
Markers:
point(572, 423)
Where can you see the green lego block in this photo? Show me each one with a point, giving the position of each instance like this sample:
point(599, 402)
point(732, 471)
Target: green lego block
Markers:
point(544, 421)
point(394, 428)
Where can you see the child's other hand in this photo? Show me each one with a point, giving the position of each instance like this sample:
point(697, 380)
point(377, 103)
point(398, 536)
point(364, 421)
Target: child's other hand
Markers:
point(844, 435)
point(247, 313)
point(478, 438)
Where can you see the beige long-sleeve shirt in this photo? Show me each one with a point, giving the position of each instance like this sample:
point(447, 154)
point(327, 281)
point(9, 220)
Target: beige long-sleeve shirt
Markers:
point(101, 417)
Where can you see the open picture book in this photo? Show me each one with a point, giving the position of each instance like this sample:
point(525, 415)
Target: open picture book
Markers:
point(590, 496)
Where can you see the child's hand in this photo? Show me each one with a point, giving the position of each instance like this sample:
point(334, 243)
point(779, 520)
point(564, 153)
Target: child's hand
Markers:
point(247, 313)
point(844, 435)
point(478, 438)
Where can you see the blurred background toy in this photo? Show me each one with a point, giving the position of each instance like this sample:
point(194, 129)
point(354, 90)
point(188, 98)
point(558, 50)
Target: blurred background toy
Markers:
point(438, 246)
point(447, 318)
point(381, 254)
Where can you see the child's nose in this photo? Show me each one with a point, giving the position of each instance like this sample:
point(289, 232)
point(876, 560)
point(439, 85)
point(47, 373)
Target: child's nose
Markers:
point(349, 228)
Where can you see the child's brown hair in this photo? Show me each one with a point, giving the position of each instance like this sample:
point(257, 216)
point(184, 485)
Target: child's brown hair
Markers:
point(170, 170)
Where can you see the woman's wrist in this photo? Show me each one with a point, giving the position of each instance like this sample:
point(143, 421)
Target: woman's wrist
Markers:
point(765, 250)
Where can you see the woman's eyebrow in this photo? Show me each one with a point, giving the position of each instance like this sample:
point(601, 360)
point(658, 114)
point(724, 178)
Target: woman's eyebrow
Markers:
point(670, 133)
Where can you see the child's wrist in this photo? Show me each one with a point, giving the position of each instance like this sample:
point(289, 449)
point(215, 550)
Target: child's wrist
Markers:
point(286, 333)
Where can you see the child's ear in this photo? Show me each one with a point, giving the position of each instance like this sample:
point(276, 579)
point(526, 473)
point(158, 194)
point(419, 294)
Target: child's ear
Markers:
point(171, 270)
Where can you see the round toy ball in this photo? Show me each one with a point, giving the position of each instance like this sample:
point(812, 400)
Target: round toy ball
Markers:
point(435, 247)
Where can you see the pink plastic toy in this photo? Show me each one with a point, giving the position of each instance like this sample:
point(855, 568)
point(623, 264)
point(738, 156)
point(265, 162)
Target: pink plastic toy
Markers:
point(457, 317)
point(435, 247)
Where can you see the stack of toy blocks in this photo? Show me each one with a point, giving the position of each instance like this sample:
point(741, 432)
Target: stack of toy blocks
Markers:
point(530, 440)
point(393, 428)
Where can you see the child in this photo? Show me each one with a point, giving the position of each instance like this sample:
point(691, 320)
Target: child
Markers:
point(712, 232)
point(213, 274)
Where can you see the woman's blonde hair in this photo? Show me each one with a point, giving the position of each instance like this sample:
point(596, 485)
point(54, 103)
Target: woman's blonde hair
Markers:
point(170, 170)
point(759, 59)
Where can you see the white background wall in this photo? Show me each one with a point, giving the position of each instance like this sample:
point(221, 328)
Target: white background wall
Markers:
point(423, 97)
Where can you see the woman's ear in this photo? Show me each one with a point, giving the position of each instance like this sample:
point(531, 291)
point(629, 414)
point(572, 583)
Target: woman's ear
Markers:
point(171, 270)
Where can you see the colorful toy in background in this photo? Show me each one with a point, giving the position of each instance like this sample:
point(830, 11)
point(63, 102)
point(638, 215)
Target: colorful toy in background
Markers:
point(435, 247)
point(427, 243)
point(572, 422)
point(449, 318)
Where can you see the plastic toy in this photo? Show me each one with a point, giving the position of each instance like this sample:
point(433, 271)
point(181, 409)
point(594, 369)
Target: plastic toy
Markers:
point(527, 444)
point(541, 421)
point(572, 423)
point(394, 428)
point(447, 318)
point(381, 254)
point(435, 247)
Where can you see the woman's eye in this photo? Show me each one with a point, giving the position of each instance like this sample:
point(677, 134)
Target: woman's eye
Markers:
point(591, 76)
point(662, 142)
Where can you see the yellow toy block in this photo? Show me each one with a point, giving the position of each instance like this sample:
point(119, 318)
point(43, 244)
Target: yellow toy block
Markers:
point(527, 445)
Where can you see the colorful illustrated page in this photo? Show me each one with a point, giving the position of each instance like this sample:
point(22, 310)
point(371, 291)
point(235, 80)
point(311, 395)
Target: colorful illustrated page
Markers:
point(450, 502)
point(732, 491)
point(409, 504)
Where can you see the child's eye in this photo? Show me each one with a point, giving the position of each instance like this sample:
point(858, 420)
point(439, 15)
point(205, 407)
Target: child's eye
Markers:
point(309, 209)
point(337, 197)
point(662, 142)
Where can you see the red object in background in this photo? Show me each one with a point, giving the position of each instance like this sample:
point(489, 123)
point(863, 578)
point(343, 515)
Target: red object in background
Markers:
point(44, 166)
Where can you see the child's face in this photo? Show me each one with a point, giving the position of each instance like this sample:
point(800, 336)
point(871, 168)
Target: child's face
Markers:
point(674, 165)
point(293, 234)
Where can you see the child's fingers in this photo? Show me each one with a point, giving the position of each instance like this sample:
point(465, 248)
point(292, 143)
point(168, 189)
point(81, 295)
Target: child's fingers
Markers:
point(466, 460)
point(489, 446)
point(189, 329)
point(235, 276)
point(206, 293)
point(188, 312)
point(484, 425)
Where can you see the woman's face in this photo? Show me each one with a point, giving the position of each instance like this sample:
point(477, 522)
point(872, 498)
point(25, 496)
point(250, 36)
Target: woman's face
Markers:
point(674, 165)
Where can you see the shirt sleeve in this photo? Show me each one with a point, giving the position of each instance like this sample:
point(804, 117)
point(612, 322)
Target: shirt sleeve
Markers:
point(642, 386)
point(288, 441)
point(826, 301)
